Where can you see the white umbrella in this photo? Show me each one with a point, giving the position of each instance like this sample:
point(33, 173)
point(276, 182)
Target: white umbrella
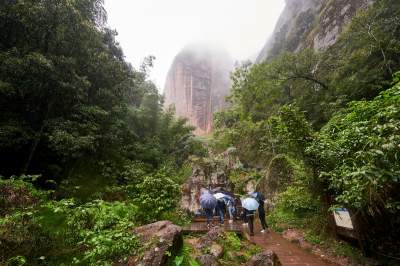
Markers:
point(250, 204)
point(219, 195)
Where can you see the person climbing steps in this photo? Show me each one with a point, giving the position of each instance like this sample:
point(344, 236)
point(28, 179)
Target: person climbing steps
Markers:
point(250, 206)
point(259, 197)
point(248, 217)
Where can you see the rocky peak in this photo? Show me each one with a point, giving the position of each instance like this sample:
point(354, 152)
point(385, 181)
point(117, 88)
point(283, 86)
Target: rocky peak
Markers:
point(314, 24)
point(197, 84)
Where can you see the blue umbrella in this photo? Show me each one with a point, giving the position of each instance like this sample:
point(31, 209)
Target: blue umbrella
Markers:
point(208, 201)
point(250, 204)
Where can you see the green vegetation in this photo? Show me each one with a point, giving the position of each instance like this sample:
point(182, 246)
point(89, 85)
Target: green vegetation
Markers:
point(87, 153)
point(236, 251)
point(185, 257)
point(335, 115)
point(56, 232)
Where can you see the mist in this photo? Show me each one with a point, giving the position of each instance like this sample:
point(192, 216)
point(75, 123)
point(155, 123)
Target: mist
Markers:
point(163, 28)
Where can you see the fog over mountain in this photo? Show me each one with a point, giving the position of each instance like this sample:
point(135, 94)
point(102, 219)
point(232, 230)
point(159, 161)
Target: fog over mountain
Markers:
point(162, 28)
point(197, 84)
point(198, 80)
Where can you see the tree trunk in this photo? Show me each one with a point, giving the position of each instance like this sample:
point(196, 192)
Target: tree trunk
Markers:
point(33, 149)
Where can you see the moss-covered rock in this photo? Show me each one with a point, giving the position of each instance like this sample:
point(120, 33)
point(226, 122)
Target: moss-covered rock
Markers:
point(281, 171)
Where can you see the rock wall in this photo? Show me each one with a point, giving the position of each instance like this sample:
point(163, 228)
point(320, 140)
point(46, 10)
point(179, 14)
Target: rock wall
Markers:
point(313, 24)
point(191, 189)
point(210, 173)
point(197, 84)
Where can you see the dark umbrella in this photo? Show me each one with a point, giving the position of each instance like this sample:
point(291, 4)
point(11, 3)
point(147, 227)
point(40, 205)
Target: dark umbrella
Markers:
point(208, 201)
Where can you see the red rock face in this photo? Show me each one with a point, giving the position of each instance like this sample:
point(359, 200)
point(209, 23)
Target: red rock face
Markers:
point(197, 84)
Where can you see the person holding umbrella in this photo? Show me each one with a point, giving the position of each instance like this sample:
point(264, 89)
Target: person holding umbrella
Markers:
point(208, 203)
point(261, 211)
point(250, 205)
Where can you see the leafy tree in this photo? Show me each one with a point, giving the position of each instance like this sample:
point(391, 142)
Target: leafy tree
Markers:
point(68, 96)
point(358, 152)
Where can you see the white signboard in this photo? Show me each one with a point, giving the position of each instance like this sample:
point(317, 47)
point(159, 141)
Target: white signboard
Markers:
point(342, 218)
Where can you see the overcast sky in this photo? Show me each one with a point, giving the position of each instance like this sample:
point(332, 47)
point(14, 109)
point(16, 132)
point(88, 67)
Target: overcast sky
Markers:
point(163, 27)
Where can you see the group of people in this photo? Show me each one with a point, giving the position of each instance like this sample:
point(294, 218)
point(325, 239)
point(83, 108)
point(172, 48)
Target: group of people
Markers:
point(218, 203)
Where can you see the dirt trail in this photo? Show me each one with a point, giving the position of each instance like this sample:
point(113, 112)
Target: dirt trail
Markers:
point(289, 253)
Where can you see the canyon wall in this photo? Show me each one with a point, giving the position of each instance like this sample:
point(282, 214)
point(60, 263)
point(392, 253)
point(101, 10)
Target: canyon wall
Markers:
point(314, 24)
point(197, 84)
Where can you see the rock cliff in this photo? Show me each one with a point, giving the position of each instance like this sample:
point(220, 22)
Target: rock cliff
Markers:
point(312, 24)
point(197, 84)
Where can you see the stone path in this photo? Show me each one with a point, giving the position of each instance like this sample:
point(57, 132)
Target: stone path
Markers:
point(289, 253)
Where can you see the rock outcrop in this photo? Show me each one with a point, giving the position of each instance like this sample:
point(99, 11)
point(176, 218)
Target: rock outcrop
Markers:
point(159, 239)
point(207, 173)
point(314, 24)
point(266, 258)
point(207, 260)
point(197, 84)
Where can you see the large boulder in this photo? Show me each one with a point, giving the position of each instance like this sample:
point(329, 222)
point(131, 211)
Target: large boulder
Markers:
point(161, 240)
point(207, 260)
point(208, 239)
point(216, 250)
point(266, 258)
point(207, 173)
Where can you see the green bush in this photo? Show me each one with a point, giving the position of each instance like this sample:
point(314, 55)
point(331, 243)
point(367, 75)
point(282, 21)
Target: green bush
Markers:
point(232, 241)
point(298, 207)
point(358, 153)
point(17, 261)
point(18, 194)
point(299, 200)
point(157, 193)
point(58, 232)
